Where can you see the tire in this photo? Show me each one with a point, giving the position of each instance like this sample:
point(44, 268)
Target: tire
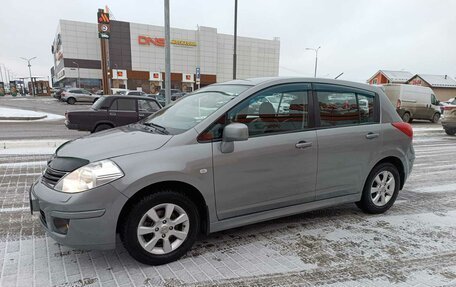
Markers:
point(159, 231)
point(71, 101)
point(450, 132)
point(102, 127)
point(435, 118)
point(368, 204)
point(406, 117)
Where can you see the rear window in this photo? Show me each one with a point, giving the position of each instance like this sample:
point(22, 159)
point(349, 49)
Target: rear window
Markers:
point(101, 104)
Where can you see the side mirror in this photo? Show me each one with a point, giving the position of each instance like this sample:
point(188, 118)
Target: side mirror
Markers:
point(231, 133)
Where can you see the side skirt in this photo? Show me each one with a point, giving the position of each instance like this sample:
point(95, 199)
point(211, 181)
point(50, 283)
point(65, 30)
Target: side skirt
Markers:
point(280, 212)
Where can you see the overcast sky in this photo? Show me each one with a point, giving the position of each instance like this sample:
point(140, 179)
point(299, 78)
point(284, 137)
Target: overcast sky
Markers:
point(357, 37)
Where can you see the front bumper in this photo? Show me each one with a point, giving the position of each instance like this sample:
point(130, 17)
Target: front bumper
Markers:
point(91, 216)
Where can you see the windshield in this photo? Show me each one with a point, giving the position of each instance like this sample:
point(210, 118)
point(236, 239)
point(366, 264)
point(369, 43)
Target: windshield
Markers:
point(195, 107)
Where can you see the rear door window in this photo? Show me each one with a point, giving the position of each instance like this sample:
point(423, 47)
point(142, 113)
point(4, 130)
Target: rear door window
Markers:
point(124, 105)
point(342, 106)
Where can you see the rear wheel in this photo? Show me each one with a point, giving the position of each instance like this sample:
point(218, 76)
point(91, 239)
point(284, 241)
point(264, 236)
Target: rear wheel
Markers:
point(160, 228)
point(435, 118)
point(102, 127)
point(71, 101)
point(406, 117)
point(450, 132)
point(381, 189)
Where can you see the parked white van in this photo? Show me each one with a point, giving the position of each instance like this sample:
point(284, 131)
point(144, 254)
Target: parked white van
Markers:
point(414, 102)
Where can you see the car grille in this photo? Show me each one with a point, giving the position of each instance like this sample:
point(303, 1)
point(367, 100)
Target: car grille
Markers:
point(52, 176)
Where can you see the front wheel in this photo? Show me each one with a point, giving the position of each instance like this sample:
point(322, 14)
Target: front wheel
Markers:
point(71, 101)
point(161, 227)
point(381, 189)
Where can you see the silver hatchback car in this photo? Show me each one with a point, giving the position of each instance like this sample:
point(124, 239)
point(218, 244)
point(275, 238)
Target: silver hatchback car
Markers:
point(227, 155)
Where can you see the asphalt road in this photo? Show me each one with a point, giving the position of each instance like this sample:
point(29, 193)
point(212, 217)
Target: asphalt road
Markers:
point(413, 244)
point(38, 129)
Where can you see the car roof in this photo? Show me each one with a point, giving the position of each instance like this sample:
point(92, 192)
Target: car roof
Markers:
point(284, 80)
point(126, 97)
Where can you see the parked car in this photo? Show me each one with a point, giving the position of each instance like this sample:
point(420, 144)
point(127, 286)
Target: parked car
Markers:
point(58, 93)
point(414, 102)
point(161, 99)
point(173, 91)
point(111, 111)
point(177, 96)
point(71, 96)
point(135, 93)
point(449, 118)
point(208, 163)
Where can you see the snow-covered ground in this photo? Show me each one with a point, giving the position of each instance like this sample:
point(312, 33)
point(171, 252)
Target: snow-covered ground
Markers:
point(28, 147)
point(14, 114)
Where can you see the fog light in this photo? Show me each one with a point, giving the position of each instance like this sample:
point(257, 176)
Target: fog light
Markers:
point(61, 225)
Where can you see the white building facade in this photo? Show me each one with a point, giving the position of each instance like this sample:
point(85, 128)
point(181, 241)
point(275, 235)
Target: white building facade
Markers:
point(136, 56)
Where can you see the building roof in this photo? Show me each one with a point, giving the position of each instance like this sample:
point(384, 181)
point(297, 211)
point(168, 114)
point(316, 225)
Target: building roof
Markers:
point(394, 76)
point(437, 81)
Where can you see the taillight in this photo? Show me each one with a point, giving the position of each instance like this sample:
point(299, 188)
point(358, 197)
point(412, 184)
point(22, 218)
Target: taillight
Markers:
point(405, 128)
point(449, 108)
point(398, 104)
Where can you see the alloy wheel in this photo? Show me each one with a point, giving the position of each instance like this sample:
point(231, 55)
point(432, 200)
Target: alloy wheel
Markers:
point(382, 188)
point(163, 228)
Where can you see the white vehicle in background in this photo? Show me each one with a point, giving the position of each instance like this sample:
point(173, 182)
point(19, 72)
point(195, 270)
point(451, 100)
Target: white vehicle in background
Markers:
point(414, 102)
point(71, 96)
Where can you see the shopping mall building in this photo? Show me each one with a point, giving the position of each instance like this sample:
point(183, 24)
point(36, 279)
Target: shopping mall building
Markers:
point(137, 56)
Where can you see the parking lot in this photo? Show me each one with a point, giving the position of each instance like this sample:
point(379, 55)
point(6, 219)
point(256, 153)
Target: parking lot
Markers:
point(413, 244)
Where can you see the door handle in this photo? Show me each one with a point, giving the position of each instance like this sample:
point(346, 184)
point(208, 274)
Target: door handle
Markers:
point(371, 135)
point(112, 114)
point(141, 115)
point(303, 145)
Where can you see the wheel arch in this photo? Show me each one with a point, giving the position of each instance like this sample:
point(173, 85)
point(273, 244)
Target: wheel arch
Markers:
point(398, 164)
point(182, 187)
point(102, 123)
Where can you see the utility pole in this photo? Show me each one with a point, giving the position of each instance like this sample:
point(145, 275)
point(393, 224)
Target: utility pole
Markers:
point(167, 55)
point(79, 75)
point(316, 58)
point(235, 39)
point(30, 72)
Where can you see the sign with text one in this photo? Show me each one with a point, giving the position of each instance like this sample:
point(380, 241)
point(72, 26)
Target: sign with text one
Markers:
point(160, 42)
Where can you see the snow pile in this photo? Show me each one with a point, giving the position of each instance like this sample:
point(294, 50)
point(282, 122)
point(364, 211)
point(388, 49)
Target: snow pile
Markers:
point(11, 114)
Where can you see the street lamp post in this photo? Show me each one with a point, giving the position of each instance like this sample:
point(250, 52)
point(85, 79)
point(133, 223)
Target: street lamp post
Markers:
point(316, 58)
point(79, 75)
point(235, 40)
point(30, 72)
point(167, 55)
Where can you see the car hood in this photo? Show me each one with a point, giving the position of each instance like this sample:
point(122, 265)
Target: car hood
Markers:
point(112, 143)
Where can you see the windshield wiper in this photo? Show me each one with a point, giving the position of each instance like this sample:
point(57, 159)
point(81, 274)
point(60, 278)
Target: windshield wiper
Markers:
point(159, 128)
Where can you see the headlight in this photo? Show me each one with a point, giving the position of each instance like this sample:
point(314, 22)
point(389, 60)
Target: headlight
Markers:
point(89, 176)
